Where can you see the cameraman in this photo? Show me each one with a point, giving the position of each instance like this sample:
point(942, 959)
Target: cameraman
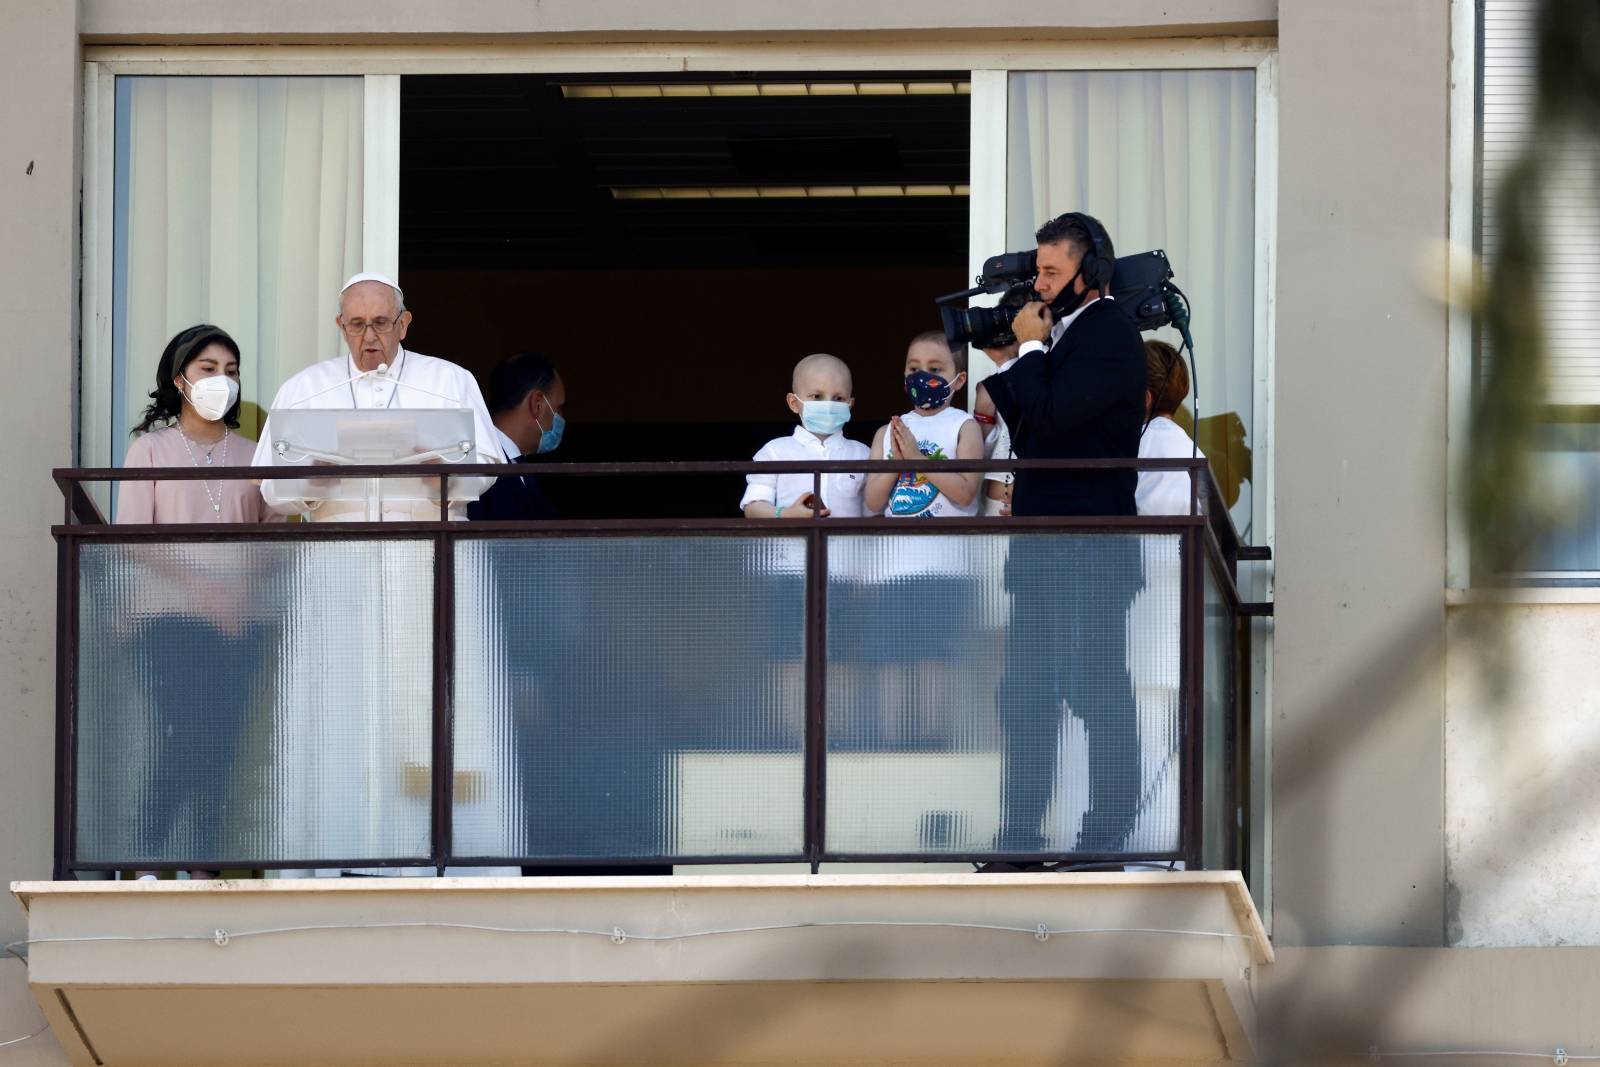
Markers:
point(1076, 391)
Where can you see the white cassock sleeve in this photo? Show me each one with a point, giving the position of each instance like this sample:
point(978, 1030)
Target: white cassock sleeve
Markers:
point(485, 440)
point(270, 488)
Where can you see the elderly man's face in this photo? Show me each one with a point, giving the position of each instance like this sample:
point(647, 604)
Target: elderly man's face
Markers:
point(373, 328)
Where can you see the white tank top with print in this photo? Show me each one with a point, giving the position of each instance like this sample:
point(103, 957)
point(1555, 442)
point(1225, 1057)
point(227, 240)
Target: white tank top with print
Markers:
point(916, 497)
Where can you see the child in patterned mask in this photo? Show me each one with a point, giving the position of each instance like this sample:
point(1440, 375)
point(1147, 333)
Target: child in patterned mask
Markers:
point(934, 375)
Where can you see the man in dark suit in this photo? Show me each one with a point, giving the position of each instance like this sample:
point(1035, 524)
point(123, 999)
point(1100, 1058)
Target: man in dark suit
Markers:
point(1076, 392)
point(589, 768)
point(527, 401)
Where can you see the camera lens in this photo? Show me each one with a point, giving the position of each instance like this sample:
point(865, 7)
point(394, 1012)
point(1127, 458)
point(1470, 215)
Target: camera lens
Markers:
point(957, 327)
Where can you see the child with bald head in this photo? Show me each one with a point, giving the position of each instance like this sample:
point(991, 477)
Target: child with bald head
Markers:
point(821, 395)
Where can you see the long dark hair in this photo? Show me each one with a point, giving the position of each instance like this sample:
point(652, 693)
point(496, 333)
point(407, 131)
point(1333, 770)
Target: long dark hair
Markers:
point(166, 402)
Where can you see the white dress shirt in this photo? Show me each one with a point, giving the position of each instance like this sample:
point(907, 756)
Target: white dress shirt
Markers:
point(841, 493)
point(1056, 331)
point(507, 445)
point(415, 381)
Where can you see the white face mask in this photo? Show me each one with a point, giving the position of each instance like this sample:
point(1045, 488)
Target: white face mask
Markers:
point(212, 397)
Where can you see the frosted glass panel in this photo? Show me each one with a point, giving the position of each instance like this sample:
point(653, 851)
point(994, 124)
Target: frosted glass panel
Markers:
point(1220, 808)
point(1015, 694)
point(630, 697)
point(263, 702)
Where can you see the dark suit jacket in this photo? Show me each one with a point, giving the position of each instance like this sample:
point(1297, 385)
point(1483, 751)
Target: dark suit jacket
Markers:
point(1083, 399)
point(512, 498)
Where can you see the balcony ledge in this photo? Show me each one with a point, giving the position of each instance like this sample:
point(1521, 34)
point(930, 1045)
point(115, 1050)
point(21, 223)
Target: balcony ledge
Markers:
point(957, 968)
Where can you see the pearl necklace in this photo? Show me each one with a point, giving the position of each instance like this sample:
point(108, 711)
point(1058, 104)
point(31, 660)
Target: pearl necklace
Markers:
point(214, 498)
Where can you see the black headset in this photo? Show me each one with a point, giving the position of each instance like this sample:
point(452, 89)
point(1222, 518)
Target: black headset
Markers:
point(1096, 267)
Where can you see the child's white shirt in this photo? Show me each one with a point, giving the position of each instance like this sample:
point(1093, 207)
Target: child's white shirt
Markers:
point(841, 493)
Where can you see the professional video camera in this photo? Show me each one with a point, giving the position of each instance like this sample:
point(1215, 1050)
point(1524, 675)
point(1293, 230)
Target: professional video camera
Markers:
point(1141, 285)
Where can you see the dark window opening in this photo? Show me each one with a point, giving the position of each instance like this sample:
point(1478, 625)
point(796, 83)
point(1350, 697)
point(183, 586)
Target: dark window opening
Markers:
point(659, 249)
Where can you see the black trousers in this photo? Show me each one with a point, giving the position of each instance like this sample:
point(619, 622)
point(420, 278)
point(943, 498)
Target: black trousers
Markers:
point(198, 717)
point(1068, 645)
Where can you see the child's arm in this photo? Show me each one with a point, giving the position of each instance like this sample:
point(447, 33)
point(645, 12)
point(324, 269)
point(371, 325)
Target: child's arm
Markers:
point(802, 508)
point(983, 404)
point(876, 494)
point(760, 490)
point(962, 489)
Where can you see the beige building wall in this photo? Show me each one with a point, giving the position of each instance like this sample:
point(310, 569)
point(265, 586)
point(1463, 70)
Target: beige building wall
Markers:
point(468, 20)
point(39, 160)
point(1521, 791)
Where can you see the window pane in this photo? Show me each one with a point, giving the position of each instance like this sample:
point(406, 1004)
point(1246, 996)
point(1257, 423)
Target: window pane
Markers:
point(1165, 159)
point(1566, 466)
point(254, 701)
point(1219, 701)
point(237, 202)
point(1013, 694)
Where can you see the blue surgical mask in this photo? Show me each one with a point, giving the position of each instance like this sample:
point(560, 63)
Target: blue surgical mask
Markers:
point(550, 440)
point(824, 417)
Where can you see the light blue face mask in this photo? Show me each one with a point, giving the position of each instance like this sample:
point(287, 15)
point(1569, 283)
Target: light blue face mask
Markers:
point(824, 417)
point(550, 440)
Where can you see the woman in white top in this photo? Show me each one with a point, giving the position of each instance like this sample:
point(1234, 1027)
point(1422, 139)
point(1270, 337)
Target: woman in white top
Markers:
point(1153, 630)
point(1164, 492)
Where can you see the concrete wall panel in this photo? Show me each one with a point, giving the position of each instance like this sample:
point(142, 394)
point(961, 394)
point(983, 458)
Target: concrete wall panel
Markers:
point(299, 19)
point(1521, 794)
point(1360, 430)
point(39, 91)
point(1322, 1005)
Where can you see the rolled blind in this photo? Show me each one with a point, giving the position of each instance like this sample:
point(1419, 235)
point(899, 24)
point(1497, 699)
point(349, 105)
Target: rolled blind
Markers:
point(1569, 197)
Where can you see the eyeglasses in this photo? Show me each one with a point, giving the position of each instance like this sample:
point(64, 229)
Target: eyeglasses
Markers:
point(356, 328)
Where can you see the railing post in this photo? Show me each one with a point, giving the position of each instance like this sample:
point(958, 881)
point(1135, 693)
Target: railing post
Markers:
point(816, 643)
point(444, 638)
point(66, 835)
point(1191, 606)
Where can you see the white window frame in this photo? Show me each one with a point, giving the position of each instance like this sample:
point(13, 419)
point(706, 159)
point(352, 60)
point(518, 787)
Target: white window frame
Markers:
point(990, 63)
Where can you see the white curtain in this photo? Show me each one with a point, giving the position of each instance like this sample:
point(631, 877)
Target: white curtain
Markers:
point(239, 203)
point(1165, 159)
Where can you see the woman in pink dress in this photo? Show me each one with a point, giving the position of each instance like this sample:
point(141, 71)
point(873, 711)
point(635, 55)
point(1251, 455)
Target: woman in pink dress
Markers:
point(193, 413)
point(191, 616)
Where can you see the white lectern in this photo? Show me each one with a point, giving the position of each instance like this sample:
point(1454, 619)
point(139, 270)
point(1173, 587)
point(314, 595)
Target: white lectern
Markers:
point(322, 437)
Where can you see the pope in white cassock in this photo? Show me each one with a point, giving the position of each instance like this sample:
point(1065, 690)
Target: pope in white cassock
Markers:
point(353, 731)
point(377, 373)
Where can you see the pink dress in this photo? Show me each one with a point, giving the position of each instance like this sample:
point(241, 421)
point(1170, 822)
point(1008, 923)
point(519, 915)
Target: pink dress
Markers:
point(238, 500)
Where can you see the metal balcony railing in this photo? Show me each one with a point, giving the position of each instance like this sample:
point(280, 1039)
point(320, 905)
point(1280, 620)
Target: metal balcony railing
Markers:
point(649, 691)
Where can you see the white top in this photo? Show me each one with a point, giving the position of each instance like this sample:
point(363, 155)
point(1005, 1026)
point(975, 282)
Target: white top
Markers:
point(1164, 492)
point(841, 493)
point(915, 496)
point(507, 445)
point(415, 381)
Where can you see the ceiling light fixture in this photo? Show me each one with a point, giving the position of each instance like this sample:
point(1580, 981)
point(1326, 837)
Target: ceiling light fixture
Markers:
point(780, 192)
point(709, 90)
